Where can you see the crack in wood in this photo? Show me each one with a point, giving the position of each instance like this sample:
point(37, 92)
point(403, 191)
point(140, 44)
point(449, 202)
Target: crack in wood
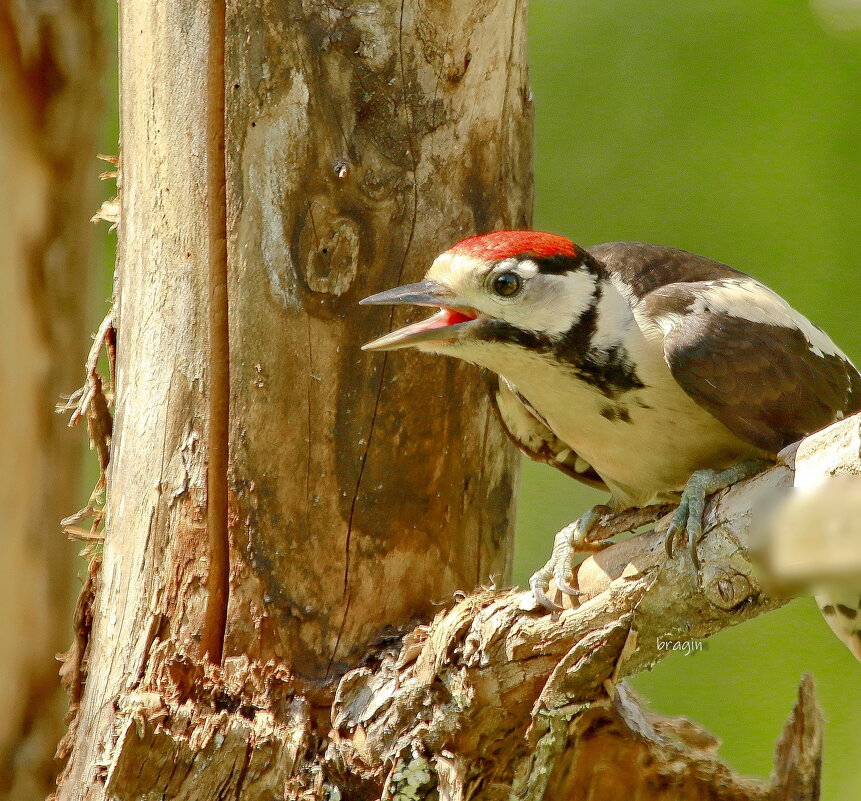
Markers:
point(215, 620)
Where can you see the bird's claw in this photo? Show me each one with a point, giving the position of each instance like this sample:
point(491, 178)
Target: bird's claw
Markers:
point(565, 587)
point(688, 517)
point(570, 540)
point(539, 583)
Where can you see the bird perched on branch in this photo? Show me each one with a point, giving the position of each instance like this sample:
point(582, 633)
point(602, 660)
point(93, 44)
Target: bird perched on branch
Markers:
point(655, 373)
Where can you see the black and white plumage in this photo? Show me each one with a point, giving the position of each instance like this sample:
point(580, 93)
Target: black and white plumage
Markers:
point(628, 365)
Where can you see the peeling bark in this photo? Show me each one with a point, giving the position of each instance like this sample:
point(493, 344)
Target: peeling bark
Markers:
point(51, 59)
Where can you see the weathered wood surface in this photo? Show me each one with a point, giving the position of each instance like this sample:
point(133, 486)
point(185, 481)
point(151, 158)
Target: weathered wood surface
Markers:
point(360, 141)
point(364, 140)
point(49, 101)
point(151, 582)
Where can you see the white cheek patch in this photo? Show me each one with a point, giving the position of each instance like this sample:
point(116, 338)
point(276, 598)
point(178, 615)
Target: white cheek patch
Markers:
point(548, 304)
point(749, 300)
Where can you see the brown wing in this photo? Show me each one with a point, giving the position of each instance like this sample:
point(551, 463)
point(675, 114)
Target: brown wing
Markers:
point(764, 382)
point(533, 437)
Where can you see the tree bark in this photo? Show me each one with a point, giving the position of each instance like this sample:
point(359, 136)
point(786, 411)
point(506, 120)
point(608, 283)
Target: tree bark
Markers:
point(364, 142)
point(359, 142)
point(51, 56)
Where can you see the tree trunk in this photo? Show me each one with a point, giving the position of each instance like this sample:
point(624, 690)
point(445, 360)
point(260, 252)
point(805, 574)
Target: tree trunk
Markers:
point(276, 497)
point(51, 57)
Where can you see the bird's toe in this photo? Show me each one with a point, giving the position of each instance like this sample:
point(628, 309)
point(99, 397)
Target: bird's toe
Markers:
point(539, 583)
point(563, 583)
point(689, 515)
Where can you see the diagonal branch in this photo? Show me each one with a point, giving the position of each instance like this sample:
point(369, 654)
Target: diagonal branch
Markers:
point(505, 691)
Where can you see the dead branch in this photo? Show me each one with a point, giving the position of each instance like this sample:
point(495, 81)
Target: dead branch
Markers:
point(494, 688)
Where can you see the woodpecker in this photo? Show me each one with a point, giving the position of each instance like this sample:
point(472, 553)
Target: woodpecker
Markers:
point(657, 374)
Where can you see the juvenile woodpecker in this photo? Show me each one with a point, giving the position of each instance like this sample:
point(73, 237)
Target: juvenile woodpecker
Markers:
point(655, 373)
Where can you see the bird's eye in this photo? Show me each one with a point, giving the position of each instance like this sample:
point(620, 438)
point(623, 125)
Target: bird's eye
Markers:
point(507, 285)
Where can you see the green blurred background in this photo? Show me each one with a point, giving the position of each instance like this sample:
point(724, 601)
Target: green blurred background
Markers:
point(732, 129)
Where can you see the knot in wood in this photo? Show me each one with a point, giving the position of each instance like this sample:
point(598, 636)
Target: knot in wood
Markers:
point(728, 588)
point(328, 248)
point(456, 67)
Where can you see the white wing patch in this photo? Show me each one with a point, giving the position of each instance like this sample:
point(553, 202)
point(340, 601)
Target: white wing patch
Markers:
point(750, 300)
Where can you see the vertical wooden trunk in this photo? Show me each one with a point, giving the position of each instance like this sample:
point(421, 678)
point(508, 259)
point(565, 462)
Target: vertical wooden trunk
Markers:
point(50, 60)
point(361, 140)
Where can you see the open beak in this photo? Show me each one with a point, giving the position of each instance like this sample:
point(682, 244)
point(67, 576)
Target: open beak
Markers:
point(446, 324)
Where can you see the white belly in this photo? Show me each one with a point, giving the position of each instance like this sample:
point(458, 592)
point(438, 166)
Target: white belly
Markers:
point(645, 458)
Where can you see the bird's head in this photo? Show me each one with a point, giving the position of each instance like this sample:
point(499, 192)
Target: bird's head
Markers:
point(502, 288)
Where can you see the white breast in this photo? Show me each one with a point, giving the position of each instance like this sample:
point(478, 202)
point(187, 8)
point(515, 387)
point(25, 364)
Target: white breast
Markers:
point(644, 443)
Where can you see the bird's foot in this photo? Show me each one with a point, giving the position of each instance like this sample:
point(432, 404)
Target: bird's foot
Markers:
point(572, 539)
point(689, 514)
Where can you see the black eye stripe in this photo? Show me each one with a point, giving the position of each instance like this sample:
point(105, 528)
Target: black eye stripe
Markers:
point(506, 284)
